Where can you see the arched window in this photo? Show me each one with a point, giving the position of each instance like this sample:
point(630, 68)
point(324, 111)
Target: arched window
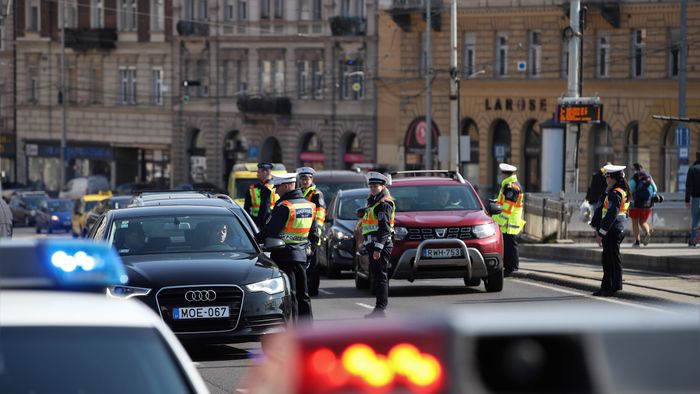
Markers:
point(311, 153)
point(669, 154)
point(532, 153)
point(352, 153)
point(415, 141)
point(470, 167)
point(271, 151)
point(501, 148)
point(601, 146)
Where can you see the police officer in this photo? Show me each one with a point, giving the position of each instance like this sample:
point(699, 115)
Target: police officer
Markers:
point(510, 220)
point(306, 180)
point(293, 221)
point(377, 224)
point(261, 196)
point(609, 220)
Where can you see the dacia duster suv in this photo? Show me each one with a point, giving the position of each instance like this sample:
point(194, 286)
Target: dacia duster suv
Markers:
point(442, 230)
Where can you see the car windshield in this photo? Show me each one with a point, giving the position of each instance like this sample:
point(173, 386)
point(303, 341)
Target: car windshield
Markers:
point(60, 206)
point(242, 186)
point(435, 198)
point(131, 360)
point(329, 190)
point(348, 206)
point(179, 234)
point(34, 201)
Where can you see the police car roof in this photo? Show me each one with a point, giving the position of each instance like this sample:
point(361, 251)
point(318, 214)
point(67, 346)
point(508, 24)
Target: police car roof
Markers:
point(51, 308)
point(137, 212)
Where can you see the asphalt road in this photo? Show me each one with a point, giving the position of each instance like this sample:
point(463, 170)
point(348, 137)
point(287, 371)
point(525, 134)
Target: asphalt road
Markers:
point(223, 367)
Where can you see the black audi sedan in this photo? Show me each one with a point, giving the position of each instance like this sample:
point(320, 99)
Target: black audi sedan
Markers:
point(200, 269)
point(337, 245)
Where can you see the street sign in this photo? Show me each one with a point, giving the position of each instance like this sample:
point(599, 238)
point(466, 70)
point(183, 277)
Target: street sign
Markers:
point(579, 113)
point(253, 151)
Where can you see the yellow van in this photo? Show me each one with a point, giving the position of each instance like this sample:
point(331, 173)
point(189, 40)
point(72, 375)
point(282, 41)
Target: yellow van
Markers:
point(80, 209)
point(245, 174)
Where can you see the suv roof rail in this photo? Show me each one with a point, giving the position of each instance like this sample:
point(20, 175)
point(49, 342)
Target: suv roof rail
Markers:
point(168, 191)
point(415, 173)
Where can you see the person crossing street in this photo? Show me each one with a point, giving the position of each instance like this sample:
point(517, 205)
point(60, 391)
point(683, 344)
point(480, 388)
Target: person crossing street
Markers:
point(261, 196)
point(293, 220)
point(306, 179)
point(511, 196)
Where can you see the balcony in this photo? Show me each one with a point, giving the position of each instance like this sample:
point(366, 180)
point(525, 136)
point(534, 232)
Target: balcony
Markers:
point(192, 28)
point(348, 26)
point(401, 11)
point(264, 105)
point(412, 5)
point(86, 39)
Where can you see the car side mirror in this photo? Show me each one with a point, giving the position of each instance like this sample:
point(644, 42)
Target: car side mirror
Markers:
point(493, 208)
point(272, 244)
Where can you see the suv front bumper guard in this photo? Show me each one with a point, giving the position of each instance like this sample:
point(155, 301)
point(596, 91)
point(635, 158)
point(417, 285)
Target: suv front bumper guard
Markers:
point(471, 261)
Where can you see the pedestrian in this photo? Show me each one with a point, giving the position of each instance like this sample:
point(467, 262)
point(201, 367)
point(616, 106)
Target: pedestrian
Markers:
point(261, 196)
point(692, 200)
point(377, 225)
point(609, 220)
point(312, 194)
point(511, 197)
point(597, 186)
point(293, 221)
point(643, 191)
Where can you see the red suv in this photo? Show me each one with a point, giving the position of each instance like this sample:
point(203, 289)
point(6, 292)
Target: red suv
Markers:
point(442, 230)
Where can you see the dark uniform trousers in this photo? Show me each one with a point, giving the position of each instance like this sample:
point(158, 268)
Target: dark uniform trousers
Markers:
point(511, 258)
point(612, 262)
point(380, 273)
point(301, 302)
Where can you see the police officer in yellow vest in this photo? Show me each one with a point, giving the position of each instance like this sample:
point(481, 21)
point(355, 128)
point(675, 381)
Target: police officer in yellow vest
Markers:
point(511, 196)
point(609, 220)
point(306, 180)
point(292, 220)
point(261, 196)
point(377, 223)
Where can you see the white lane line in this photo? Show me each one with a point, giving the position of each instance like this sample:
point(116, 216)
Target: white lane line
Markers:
point(196, 365)
point(326, 292)
point(585, 295)
point(364, 305)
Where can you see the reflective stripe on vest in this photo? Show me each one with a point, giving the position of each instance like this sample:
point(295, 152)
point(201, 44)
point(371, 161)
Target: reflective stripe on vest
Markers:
point(255, 198)
point(370, 223)
point(625, 206)
point(510, 220)
point(301, 217)
point(320, 211)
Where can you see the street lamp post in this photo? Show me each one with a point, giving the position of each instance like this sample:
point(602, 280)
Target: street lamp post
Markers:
point(64, 164)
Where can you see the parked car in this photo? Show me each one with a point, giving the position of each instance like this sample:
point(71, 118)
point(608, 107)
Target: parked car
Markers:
point(24, 206)
point(337, 240)
point(330, 182)
point(80, 209)
point(54, 215)
point(9, 189)
point(442, 230)
point(114, 202)
point(78, 187)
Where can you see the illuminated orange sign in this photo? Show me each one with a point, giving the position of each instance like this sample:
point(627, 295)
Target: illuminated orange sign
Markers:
point(580, 113)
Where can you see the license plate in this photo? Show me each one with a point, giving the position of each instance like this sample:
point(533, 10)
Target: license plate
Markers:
point(201, 312)
point(442, 253)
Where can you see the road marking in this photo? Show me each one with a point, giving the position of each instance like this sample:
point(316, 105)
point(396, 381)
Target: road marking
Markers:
point(326, 292)
point(610, 300)
point(196, 365)
point(364, 305)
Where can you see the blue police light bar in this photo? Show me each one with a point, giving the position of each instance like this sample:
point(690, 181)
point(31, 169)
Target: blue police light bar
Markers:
point(59, 265)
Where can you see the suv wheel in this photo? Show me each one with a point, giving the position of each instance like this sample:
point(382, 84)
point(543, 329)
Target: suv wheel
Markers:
point(494, 282)
point(473, 282)
point(360, 282)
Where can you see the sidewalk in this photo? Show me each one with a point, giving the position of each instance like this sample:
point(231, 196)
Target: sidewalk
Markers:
point(664, 258)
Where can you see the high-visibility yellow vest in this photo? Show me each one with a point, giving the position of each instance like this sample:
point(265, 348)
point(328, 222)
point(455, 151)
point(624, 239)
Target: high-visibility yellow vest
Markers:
point(255, 198)
point(320, 211)
point(625, 205)
point(370, 222)
point(301, 216)
point(510, 220)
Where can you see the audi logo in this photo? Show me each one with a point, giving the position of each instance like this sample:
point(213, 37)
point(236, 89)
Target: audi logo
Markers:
point(200, 295)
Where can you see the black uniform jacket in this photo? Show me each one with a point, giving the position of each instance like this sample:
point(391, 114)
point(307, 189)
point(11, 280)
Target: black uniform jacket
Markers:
point(382, 237)
point(265, 197)
point(611, 222)
point(273, 228)
point(692, 182)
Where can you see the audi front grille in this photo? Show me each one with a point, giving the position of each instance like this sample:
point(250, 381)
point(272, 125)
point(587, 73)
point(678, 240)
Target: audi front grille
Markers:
point(174, 297)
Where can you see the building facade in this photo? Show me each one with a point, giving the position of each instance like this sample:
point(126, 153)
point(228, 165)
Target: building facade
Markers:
point(281, 81)
point(118, 106)
point(513, 64)
point(7, 93)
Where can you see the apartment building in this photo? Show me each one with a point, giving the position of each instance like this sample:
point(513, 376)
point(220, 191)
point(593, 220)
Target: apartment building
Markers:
point(7, 90)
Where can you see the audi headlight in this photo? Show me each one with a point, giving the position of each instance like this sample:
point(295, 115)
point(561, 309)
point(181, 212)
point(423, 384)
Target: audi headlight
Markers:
point(400, 233)
point(127, 291)
point(269, 286)
point(484, 230)
point(339, 234)
point(55, 218)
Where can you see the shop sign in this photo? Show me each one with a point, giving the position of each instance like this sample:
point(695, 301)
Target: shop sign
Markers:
point(354, 158)
point(520, 104)
point(312, 156)
point(417, 136)
point(82, 152)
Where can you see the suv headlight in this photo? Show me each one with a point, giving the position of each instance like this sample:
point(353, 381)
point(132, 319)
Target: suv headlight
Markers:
point(269, 286)
point(127, 291)
point(400, 233)
point(339, 234)
point(484, 230)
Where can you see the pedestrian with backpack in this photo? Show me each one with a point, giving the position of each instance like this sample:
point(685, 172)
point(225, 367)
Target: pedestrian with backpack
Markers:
point(643, 191)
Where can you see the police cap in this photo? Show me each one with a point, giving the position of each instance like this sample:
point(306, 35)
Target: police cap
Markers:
point(265, 166)
point(306, 171)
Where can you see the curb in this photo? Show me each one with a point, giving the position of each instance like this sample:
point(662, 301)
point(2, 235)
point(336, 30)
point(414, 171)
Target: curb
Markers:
point(666, 264)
